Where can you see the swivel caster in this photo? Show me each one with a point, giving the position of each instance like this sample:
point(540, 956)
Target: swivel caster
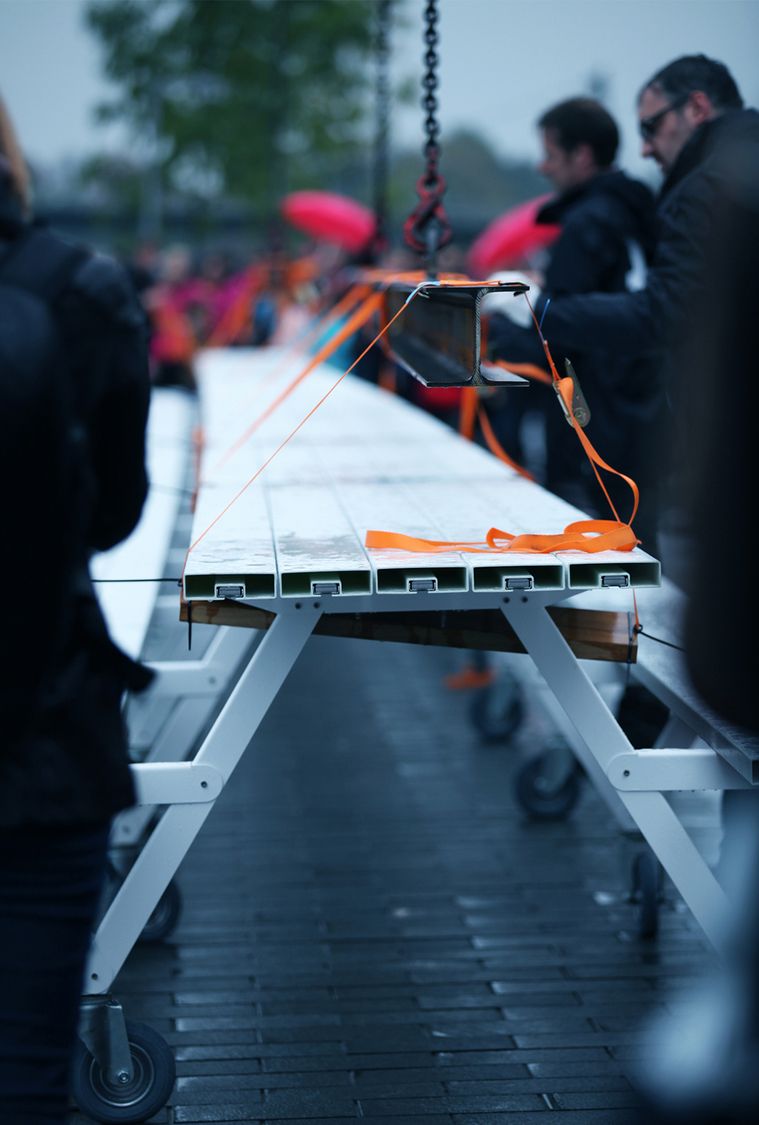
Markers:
point(163, 921)
point(544, 792)
point(118, 1096)
point(497, 711)
point(645, 892)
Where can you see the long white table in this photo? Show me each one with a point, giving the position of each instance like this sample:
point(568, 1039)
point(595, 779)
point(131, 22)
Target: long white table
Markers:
point(286, 553)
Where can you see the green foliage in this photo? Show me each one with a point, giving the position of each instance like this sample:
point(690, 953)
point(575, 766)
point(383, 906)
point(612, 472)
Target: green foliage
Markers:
point(238, 95)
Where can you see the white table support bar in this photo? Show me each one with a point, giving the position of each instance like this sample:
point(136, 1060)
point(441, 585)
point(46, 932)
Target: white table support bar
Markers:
point(600, 731)
point(174, 833)
point(668, 770)
point(176, 783)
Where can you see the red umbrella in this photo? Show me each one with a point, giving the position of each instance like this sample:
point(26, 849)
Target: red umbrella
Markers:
point(509, 238)
point(330, 217)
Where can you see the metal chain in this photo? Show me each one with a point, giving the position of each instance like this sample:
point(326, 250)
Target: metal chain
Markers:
point(427, 228)
point(382, 111)
point(431, 148)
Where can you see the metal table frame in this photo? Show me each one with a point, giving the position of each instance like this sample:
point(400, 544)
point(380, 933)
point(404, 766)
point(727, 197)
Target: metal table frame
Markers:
point(636, 778)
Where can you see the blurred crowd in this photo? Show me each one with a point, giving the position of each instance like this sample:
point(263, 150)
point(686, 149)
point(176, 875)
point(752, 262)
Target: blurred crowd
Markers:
point(215, 300)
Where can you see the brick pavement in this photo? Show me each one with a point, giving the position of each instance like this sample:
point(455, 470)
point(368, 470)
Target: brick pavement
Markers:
point(371, 929)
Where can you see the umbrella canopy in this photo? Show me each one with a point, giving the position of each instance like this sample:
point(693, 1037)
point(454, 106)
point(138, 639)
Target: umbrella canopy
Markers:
point(330, 218)
point(510, 237)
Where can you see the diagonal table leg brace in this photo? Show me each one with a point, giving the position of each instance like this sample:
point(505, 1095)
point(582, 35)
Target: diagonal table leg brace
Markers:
point(176, 830)
point(599, 729)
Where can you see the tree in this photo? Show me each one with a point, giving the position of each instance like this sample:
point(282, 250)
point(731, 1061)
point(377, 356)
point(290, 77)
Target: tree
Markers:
point(241, 96)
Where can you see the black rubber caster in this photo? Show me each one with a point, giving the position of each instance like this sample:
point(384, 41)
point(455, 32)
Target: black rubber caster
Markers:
point(153, 1074)
point(645, 892)
point(164, 919)
point(497, 711)
point(542, 797)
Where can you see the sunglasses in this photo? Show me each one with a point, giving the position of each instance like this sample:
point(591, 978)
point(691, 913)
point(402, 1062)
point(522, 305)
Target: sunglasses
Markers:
point(649, 126)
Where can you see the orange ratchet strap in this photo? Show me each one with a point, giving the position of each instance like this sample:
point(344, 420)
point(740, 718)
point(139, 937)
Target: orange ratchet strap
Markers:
point(590, 536)
point(583, 535)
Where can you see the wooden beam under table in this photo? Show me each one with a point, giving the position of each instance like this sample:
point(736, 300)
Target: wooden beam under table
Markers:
point(592, 634)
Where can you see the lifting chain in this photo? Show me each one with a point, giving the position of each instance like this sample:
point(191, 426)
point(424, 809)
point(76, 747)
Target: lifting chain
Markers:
point(427, 228)
point(382, 111)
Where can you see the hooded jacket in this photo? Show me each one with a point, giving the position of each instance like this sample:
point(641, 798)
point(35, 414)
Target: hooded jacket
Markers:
point(607, 238)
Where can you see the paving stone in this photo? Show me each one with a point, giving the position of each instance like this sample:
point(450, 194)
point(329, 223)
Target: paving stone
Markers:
point(218, 1066)
point(597, 1117)
point(203, 1088)
point(246, 1112)
point(588, 1100)
point(305, 1103)
point(562, 1070)
point(420, 1107)
point(395, 1119)
point(541, 1086)
point(263, 1051)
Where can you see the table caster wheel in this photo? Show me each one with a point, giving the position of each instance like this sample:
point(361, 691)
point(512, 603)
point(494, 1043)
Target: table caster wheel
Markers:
point(107, 1100)
point(497, 711)
point(165, 917)
point(542, 796)
point(645, 892)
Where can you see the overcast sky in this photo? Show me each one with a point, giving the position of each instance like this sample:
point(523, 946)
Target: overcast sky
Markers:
point(502, 62)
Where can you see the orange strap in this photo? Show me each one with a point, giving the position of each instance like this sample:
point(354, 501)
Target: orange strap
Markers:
point(584, 535)
point(564, 387)
point(468, 409)
point(495, 446)
point(566, 390)
point(590, 536)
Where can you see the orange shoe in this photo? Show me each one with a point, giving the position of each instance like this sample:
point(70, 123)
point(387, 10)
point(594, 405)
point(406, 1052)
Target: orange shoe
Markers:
point(469, 678)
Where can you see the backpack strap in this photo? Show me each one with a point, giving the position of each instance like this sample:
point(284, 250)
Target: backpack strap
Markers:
point(41, 263)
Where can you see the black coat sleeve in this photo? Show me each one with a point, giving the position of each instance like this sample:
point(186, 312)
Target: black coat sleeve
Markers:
point(642, 322)
point(590, 249)
point(114, 365)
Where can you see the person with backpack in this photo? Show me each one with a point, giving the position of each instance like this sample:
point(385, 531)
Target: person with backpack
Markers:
point(74, 395)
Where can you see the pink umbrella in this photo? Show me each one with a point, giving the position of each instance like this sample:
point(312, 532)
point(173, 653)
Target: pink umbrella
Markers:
point(510, 237)
point(330, 218)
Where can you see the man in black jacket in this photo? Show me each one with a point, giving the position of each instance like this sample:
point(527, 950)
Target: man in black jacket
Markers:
point(693, 124)
point(73, 325)
point(607, 238)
